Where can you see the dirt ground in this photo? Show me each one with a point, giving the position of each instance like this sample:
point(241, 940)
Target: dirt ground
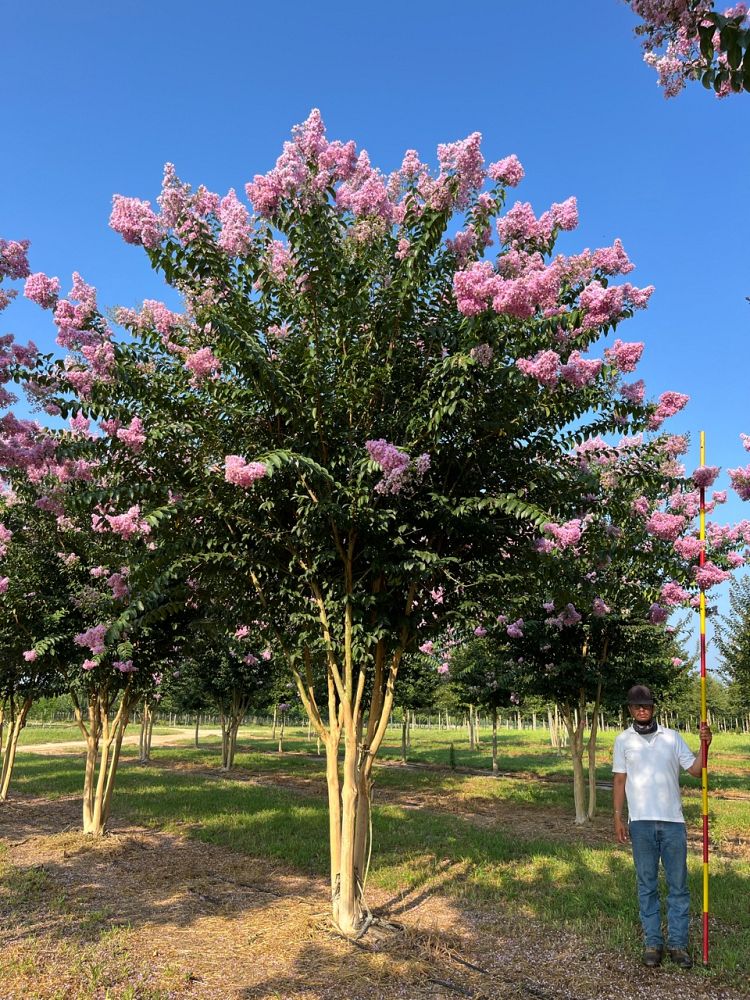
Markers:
point(149, 915)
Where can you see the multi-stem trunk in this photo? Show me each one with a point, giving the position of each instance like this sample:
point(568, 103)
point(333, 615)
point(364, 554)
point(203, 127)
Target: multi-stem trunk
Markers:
point(17, 721)
point(103, 743)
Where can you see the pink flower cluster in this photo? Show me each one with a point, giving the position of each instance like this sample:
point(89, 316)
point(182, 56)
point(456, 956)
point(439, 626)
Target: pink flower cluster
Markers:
point(599, 608)
point(665, 526)
point(203, 364)
point(705, 476)
point(234, 219)
point(398, 468)
point(672, 593)
point(136, 221)
point(515, 629)
point(242, 473)
point(740, 480)
point(566, 535)
point(14, 262)
point(709, 574)
point(544, 367)
point(580, 371)
point(507, 171)
point(5, 536)
point(669, 404)
point(482, 354)
point(624, 356)
point(132, 435)
point(127, 525)
point(604, 306)
point(93, 638)
point(42, 290)
point(124, 666)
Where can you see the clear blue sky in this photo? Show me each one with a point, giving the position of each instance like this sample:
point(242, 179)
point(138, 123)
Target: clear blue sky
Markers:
point(97, 101)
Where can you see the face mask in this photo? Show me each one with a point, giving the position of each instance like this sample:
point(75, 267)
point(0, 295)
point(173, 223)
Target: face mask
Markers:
point(645, 728)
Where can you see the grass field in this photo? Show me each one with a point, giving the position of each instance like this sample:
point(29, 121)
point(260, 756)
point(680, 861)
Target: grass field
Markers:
point(512, 838)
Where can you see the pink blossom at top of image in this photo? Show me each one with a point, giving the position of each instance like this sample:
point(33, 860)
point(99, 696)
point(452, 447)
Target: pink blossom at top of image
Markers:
point(427, 648)
point(42, 290)
point(719, 496)
point(740, 480)
point(624, 356)
point(600, 608)
point(464, 160)
point(745, 438)
point(30, 655)
point(242, 473)
point(604, 306)
point(508, 171)
point(480, 632)
point(242, 632)
point(669, 403)
point(4, 581)
point(136, 221)
point(705, 476)
point(14, 261)
point(234, 219)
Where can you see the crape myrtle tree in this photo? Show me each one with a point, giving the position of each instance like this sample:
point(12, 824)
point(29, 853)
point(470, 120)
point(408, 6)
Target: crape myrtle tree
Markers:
point(484, 676)
point(692, 40)
point(36, 617)
point(340, 418)
point(606, 577)
point(417, 686)
point(732, 633)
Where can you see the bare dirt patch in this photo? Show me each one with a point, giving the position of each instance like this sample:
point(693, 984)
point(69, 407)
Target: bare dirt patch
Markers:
point(150, 915)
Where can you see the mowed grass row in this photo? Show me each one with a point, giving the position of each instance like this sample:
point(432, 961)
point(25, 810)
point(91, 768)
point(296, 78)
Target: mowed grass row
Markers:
point(562, 881)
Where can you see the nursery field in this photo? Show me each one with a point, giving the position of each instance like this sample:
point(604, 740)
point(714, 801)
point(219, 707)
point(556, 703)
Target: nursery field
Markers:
point(214, 885)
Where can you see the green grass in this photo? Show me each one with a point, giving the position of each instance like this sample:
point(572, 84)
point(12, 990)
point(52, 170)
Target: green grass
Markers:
point(560, 881)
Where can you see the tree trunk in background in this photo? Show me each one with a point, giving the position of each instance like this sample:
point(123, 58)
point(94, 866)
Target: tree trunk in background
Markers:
point(592, 753)
point(197, 726)
point(18, 717)
point(404, 726)
point(494, 740)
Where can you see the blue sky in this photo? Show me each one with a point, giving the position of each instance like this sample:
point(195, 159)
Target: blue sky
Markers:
point(97, 101)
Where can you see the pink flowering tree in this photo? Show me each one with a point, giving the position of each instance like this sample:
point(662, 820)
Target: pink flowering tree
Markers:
point(36, 618)
point(358, 412)
point(692, 40)
point(608, 578)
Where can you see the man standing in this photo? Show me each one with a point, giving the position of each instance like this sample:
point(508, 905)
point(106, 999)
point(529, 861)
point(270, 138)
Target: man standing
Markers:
point(646, 768)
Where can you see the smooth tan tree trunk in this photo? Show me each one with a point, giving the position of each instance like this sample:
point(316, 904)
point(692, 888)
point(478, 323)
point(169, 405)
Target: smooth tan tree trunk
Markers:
point(404, 727)
point(494, 740)
point(574, 725)
point(147, 729)
point(197, 729)
point(591, 810)
point(18, 716)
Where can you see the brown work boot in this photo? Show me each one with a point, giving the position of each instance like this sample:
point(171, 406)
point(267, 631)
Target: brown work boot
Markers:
point(652, 957)
point(681, 957)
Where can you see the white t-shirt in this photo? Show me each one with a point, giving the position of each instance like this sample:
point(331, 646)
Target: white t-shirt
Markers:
point(652, 766)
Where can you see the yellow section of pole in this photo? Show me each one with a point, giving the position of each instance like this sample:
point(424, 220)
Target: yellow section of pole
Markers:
point(704, 710)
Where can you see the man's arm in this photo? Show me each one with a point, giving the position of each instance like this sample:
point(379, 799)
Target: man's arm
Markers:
point(618, 800)
point(696, 768)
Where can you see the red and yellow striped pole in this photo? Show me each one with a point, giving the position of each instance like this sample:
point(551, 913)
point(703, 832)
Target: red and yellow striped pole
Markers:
point(704, 711)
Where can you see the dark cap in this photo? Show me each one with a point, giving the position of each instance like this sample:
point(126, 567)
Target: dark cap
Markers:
point(639, 694)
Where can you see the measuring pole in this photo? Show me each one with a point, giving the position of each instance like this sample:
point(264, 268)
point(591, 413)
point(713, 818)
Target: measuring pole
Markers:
point(704, 710)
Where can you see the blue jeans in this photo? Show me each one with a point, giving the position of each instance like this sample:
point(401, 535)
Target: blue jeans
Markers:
point(652, 841)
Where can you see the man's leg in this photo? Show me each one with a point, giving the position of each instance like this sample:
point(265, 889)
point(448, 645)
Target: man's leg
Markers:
point(646, 859)
point(674, 858)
